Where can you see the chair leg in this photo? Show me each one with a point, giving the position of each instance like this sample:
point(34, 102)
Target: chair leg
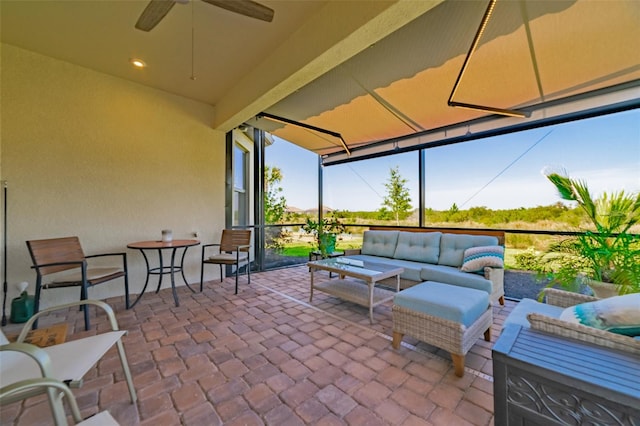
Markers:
point(201, 270)
point(248, 271)
point(127, 305)
point(221, 277)
point(237, 270)
point(83, 296)
point(126, 291)
point(201, 276)
point(127, 372)
point(56, 406)
point(36, 301)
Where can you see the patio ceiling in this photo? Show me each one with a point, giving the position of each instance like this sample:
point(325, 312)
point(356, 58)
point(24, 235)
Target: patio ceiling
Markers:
point(195, 39)
point(546, 58)
point(378, 74)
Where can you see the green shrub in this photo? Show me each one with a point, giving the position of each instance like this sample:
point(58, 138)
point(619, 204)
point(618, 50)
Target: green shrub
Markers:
point(520, 241)
point(527, 260)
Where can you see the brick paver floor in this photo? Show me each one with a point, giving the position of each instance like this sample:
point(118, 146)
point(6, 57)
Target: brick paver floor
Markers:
point(268, 356)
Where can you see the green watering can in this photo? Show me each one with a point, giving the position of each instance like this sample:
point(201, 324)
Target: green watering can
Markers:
point(22, 307)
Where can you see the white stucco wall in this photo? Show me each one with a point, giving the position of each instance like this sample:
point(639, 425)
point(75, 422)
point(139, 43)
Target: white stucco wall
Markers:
point(105, 159)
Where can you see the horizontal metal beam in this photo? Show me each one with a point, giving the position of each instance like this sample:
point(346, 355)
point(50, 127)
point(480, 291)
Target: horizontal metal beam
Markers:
point(305, 126)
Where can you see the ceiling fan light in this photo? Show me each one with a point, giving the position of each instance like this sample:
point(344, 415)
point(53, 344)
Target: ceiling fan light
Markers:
point(137, 63)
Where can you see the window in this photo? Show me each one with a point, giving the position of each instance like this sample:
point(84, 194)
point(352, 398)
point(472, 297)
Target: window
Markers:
point(506, 171)
point(363, 186)
point(240, 186)
point(297, 169)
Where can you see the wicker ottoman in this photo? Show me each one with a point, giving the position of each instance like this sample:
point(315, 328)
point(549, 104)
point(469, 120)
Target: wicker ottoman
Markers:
point(449, 317)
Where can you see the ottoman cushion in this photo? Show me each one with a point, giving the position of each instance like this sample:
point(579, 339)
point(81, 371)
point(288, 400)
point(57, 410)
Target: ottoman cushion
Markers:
point(450, 302)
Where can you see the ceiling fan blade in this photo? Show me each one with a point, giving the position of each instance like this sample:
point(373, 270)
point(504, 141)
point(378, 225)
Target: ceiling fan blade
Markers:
point(245, 7)
point(153, 13)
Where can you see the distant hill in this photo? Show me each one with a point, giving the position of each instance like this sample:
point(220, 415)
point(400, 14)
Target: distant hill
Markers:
point(293, 209)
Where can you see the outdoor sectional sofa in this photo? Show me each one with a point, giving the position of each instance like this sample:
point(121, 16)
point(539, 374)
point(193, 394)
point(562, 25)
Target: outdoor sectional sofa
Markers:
point(435, 255)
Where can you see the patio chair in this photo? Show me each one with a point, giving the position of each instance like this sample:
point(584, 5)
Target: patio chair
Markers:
point(546, 317)
point(55, 255)
point(21, 363)
point(233, 250)
point(102, 418)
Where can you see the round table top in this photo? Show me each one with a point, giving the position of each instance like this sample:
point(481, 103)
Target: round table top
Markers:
point(159, 244)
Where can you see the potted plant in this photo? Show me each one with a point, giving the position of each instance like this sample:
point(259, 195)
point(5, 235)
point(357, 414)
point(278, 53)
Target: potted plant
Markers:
point(606, 255)
point(325, 233)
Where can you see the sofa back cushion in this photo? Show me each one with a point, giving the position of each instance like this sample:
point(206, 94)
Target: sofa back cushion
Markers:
point(379, 243)
point(418, 246)
point(452, 247)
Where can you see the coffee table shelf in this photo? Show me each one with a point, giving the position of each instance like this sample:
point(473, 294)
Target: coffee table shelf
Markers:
point(360, 290)
point(355, 291)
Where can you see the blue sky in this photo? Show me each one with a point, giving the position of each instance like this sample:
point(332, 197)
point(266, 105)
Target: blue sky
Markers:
point(498, 173)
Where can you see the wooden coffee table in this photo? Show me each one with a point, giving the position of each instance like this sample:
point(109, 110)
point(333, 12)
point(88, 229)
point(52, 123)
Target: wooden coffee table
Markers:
point(361, 288)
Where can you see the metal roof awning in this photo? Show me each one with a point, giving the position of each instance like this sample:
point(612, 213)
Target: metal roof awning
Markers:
point(550, 59)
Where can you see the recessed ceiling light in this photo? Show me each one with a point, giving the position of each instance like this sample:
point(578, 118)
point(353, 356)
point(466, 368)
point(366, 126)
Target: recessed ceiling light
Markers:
point(137, 63)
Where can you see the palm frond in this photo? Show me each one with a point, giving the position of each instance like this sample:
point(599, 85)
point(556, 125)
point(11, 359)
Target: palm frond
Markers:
point(609, 254)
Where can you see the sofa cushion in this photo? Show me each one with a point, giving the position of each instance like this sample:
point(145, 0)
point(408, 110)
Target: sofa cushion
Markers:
point(475, 259)
point(526, 306)
point(418, 246)
point(452, 275)
point(379, 243)
point(452, 247)
point(619, 314)
point(453, 303)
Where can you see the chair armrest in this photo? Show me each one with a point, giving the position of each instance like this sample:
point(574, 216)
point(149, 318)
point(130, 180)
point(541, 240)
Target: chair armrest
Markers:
point(123, 254)
point(6, 392)
point(564, 299)
point(351, 252)
point(493, 274)
point(106, 254)
point(40, 356)
point(210, 245)
point(496, 276)
point(68, 262)
point(204, 246)
point(105, 307)
point(584, 333)
point(244, 247)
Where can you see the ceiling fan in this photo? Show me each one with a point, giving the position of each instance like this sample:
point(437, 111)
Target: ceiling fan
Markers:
point(157, 9)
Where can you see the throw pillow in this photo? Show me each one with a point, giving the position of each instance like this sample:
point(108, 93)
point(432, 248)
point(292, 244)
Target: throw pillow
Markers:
point(476, 258)
point(618, 314)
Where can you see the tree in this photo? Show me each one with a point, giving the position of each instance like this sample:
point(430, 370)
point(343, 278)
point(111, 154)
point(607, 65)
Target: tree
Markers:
point(275, 207)
point(397, 200)
point(275, 204)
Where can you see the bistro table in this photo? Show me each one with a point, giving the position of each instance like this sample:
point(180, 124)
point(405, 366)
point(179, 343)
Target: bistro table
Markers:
point(161, 269)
